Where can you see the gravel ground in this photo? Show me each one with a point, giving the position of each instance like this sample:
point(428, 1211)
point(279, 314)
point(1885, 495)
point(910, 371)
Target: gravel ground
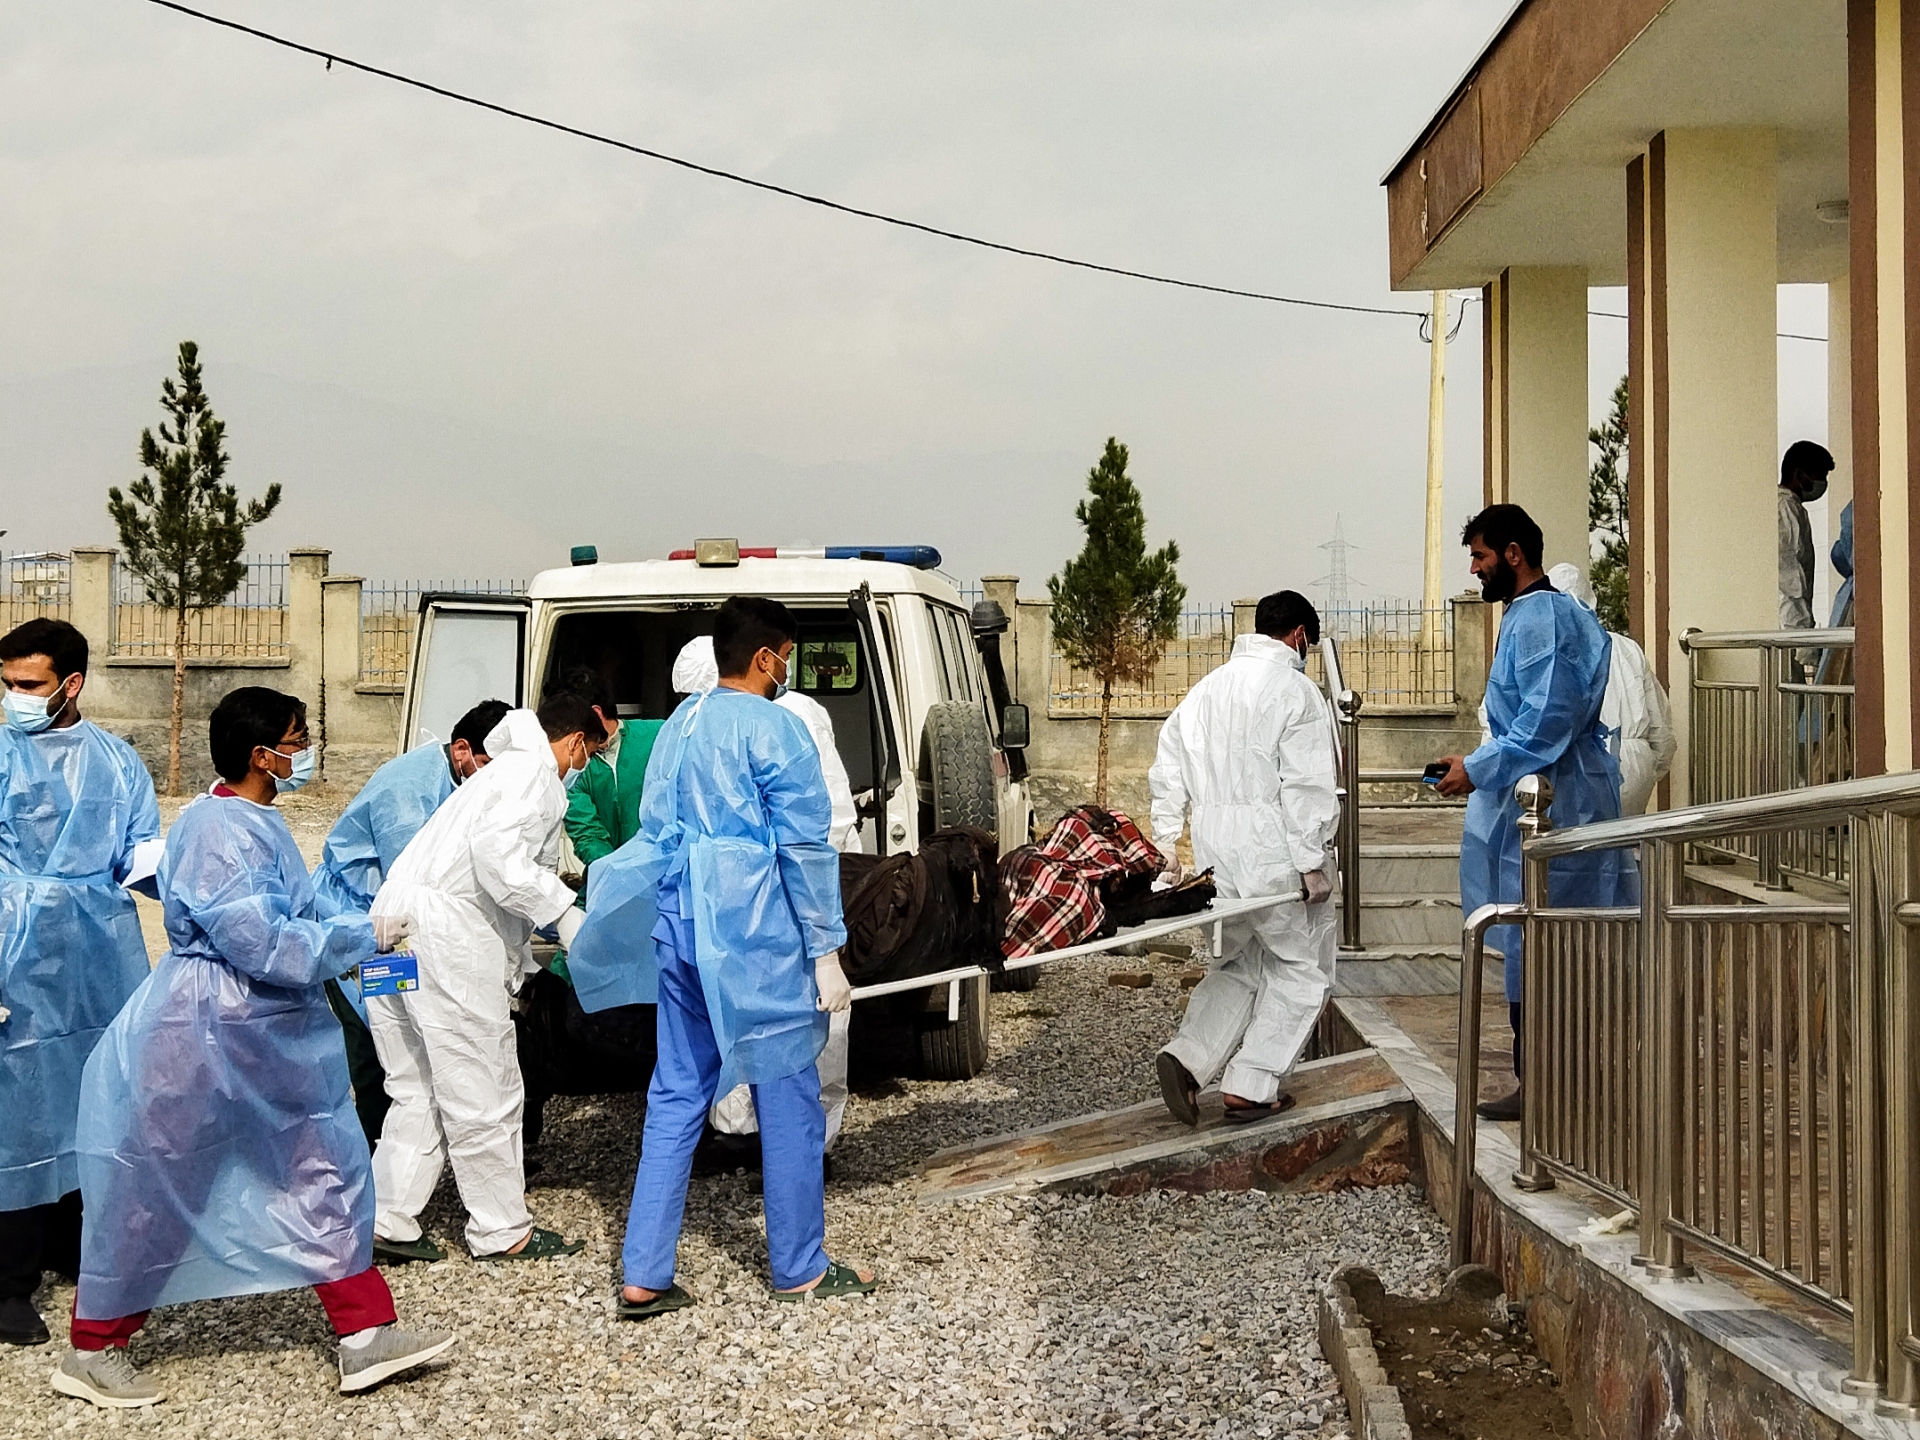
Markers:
point(1154, 1315)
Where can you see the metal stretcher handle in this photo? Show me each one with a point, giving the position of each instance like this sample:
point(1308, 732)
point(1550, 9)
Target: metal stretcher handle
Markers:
point(1215, 914)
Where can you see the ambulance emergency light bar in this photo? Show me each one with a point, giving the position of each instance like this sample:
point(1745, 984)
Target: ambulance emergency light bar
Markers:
point(731, 552)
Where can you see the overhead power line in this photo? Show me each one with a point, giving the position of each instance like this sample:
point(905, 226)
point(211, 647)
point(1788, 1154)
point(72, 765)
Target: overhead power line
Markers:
point(526, 117)
point(1778, 335)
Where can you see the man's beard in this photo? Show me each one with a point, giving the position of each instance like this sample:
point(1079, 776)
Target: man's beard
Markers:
point(1500, 585)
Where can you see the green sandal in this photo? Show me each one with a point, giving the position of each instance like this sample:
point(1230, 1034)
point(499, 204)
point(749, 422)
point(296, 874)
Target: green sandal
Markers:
point(541, 1245)
point(399, 1252)
point(839, 1280)
point(671, 1298)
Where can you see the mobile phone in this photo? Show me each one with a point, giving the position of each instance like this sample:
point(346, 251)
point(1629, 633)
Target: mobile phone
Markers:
point(1434, 773)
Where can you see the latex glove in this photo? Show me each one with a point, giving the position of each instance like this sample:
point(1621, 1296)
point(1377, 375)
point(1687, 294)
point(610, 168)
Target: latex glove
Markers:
point(1173, 874)
point(569, 925)
point(835, 993)
point(1319, 887)
point(390, 930)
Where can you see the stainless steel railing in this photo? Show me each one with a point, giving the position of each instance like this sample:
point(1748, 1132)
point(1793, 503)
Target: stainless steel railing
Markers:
point(1743, 1074)
point(1346, 711)
point(1762, 720)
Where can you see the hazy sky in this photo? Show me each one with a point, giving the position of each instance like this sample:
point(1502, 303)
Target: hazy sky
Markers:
point(463, 344)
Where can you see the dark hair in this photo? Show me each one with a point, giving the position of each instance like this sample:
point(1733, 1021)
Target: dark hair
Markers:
point(567, 712)
point(63, 645)
point(250, 716)
point(746, 625)
point(1503, 525)
point(1284, 611)
point(1805, 457)
point(595, 686)
point(478, 723)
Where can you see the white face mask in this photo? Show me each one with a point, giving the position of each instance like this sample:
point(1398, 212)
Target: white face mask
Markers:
point(34, 713)
point(302, 762)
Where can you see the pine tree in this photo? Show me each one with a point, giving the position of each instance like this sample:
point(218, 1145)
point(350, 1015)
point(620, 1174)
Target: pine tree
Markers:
point(1607, 524)
point(182, 527)
point(1115, 607)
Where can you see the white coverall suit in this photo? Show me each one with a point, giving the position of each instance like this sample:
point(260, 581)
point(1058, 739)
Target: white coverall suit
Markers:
point(1248, 755)
point(1638, 718)
point(694, 670)
point(477, 879)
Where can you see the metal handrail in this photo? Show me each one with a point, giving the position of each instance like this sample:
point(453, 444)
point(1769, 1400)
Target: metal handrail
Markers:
point(1346, 708)
point(1787, 810)
point(1821, 639)
point(1840, 1084)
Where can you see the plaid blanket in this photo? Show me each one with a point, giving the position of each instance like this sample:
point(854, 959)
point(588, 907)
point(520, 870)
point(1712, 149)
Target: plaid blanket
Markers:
point(1053, 888)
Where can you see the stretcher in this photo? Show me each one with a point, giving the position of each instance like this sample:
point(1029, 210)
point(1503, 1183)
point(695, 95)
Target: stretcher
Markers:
point(1216, 914)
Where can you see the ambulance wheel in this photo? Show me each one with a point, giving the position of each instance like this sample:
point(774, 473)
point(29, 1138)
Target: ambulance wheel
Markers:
point(1018, 981)
point(956, 1050)
point(960, 756)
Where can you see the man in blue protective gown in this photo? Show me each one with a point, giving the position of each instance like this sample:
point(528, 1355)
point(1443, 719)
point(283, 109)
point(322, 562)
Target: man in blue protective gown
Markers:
point(361, 848)
point(1544, 693)
point(77, 815)
point(219, 1152)
point(734, 845)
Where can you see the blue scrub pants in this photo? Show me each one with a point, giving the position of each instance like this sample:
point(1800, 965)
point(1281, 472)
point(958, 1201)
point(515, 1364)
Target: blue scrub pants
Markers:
point(793, 1136)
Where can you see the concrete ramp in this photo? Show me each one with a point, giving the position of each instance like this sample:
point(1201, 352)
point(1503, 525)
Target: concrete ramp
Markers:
point(1351, 1125)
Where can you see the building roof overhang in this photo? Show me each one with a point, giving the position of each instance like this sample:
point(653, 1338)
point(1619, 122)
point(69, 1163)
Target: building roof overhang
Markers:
point(1525, 163)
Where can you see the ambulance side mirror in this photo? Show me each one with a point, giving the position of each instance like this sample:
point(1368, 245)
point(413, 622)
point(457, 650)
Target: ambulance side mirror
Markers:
point(1015, 727)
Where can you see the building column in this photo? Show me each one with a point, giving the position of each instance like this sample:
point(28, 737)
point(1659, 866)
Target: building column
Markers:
point(1535, 397)
point(1883, 203)
point(1702, 297)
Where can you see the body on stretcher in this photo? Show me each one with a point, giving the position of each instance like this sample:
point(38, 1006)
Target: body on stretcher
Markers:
point(1216, 914)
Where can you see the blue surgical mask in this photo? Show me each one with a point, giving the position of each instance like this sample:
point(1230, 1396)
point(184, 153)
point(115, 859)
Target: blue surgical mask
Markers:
point(34, 713)
point(780, 686)
point(572, 777)
point(302, 771)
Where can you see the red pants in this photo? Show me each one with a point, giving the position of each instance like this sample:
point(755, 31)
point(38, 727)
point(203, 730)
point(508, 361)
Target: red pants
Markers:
point(358, 1302)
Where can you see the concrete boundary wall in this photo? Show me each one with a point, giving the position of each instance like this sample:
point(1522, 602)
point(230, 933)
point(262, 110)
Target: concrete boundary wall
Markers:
point(357, 726)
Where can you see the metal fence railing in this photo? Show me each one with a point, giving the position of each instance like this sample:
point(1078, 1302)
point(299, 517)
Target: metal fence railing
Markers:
point(251, 622)
point(1771, 711)
point(1395, 653)
point(1204, 643)
point(389, 615)
point(35, 584)
point(1744, 1075)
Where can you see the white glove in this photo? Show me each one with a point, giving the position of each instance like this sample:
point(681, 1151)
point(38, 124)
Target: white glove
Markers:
point(390, 930)
point(1319, 887)
point(569, 925)
point(1173, 874)
point(835, 993)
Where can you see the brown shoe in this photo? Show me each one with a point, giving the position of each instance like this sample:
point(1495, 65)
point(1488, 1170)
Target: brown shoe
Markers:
point(1507, 1107)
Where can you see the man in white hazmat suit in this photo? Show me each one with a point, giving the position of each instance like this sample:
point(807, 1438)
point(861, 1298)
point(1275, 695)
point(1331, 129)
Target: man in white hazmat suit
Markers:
point(477, 880)
point(1248, 757)
point(695, 671)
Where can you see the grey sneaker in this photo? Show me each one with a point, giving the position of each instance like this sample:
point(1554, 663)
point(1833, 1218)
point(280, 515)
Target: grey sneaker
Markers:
point(391, 1351)
point(106, 1377)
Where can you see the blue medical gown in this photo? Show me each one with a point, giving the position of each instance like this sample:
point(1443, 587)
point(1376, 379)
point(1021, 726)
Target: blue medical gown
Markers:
point(73, 804)
point(373, 830)
point(1544, 695)
point(220, 1153)
point(733, 834)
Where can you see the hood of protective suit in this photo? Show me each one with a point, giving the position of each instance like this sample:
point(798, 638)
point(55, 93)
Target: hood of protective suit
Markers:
point(694, 668)
point(1265, 647)
point(518, 730)
point(1569, 580)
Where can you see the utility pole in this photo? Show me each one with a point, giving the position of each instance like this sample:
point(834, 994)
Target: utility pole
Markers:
point(1432, 604)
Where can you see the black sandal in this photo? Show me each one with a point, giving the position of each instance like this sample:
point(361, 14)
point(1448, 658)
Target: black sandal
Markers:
point(839, 1280)
point(541, 1245)
point(400, 1252)
point(1178, 1088)
point(1247, 1114)
point(671, 1298)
